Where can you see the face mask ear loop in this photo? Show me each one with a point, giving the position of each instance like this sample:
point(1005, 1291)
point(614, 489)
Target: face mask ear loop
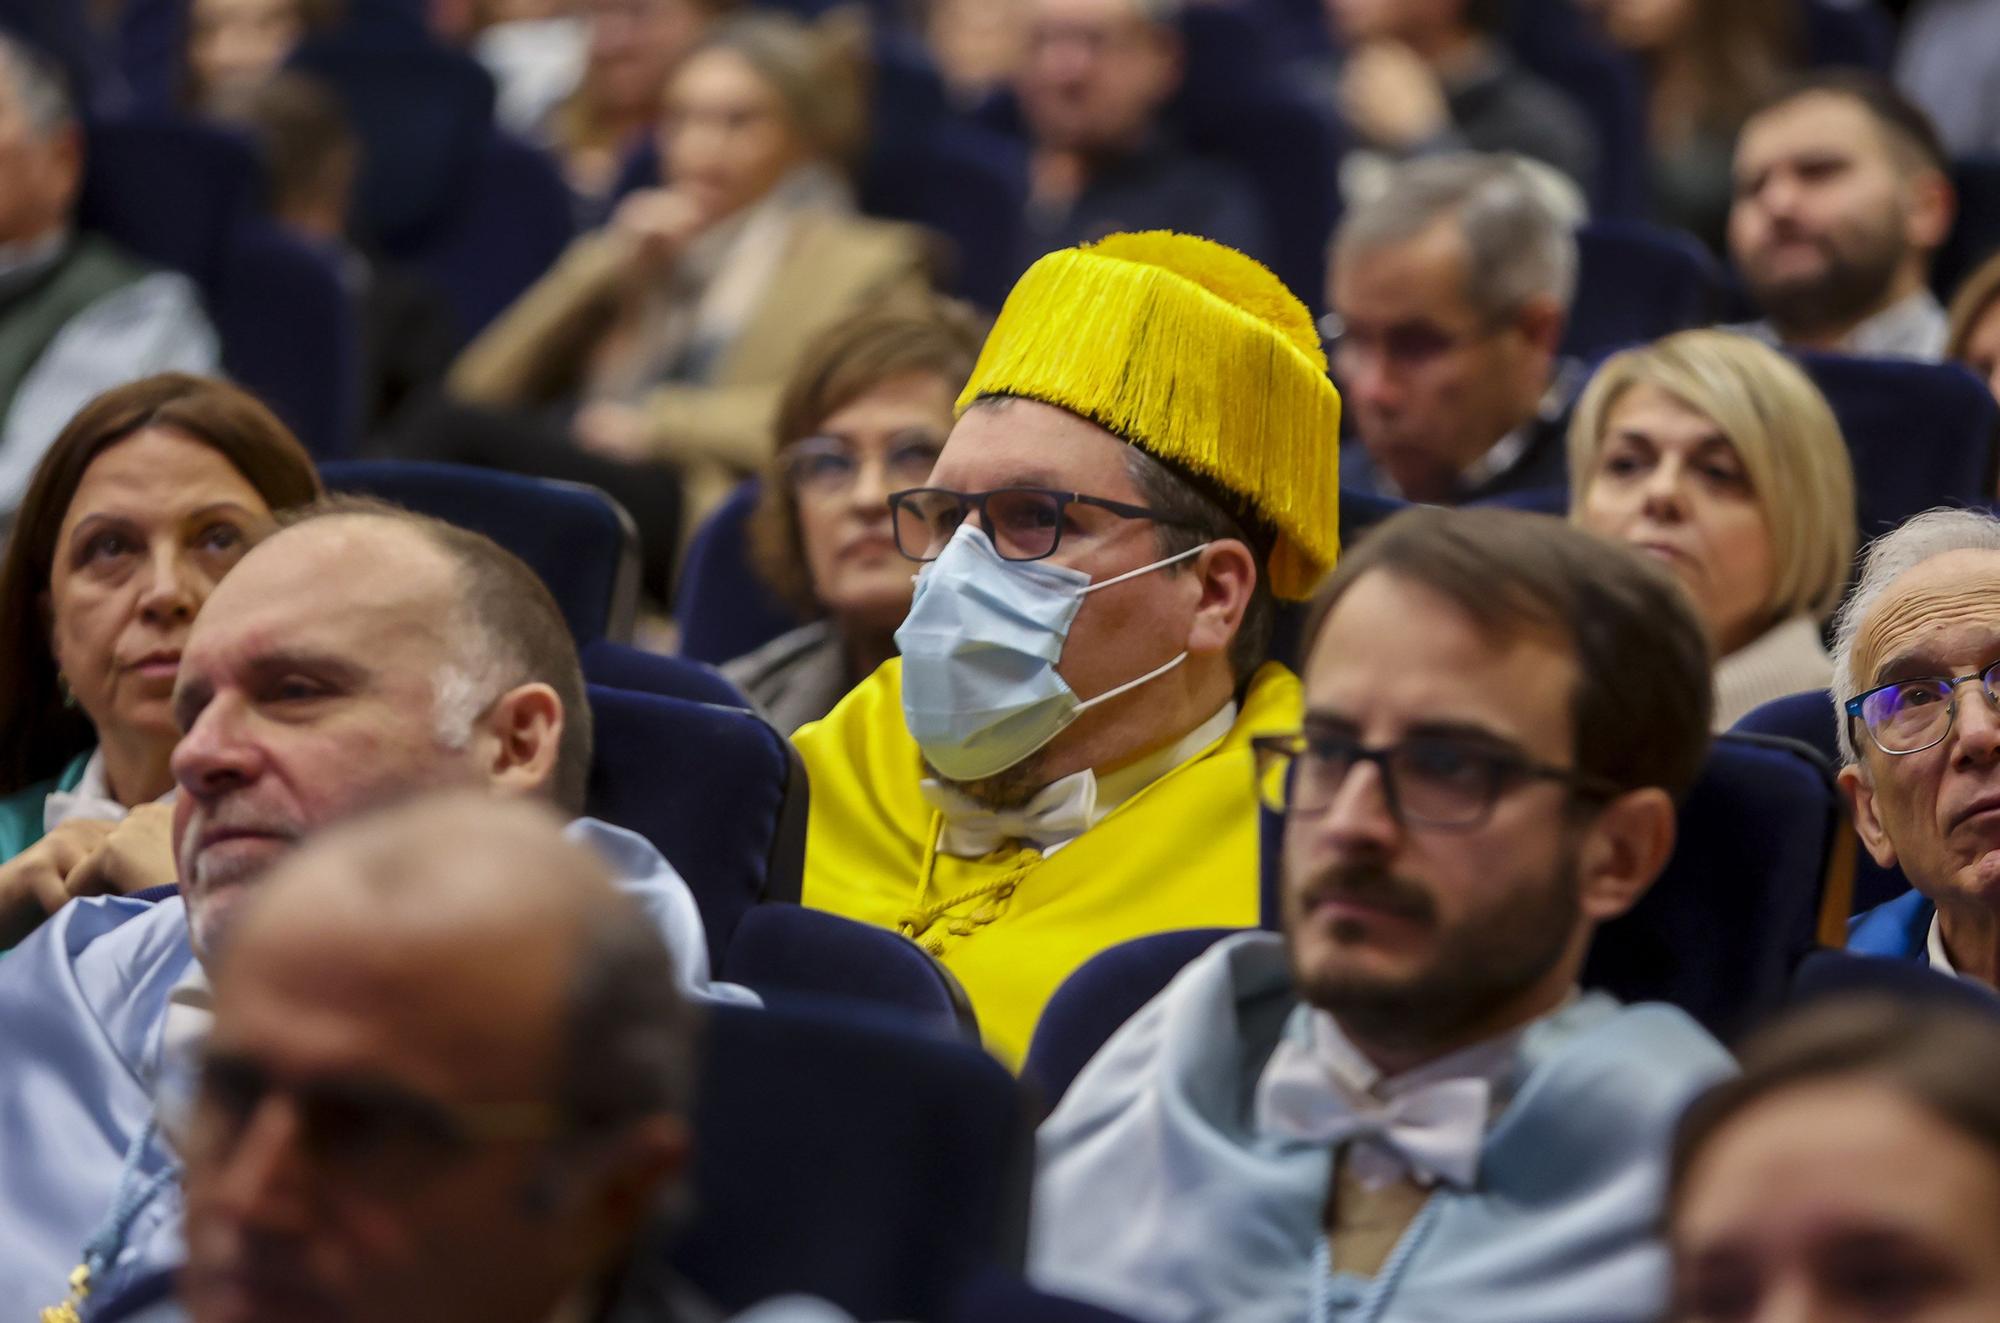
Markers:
point(1116, 690)
point(1148, 569)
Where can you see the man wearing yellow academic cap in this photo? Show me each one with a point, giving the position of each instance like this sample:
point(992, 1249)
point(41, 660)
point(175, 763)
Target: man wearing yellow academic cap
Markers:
point(1060, 761)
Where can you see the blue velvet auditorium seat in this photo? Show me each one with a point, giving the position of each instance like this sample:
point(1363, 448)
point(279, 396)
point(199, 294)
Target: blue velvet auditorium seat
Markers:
point(1808, 718)
point(1747, 893)
point(999, 1297)
point(1106, 991)
point(620, 666)
point(1637, 282)
point(794, 956)
point(287, 327)
point(481, 213)
point(724, 609)
point(1841, 974)
point(721, 794)
point(875, 1169)
point(1920, 434)
point(579, 540)
point(1976, 232)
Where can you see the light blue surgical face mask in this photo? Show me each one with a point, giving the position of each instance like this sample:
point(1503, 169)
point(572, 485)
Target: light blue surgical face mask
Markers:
point(980, 647)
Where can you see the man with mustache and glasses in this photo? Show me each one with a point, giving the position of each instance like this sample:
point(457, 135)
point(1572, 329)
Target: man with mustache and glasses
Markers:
point(1059, 760)
point(1916, 650)
point(1403, 1107)
point(1842, 198)
point(359, 655)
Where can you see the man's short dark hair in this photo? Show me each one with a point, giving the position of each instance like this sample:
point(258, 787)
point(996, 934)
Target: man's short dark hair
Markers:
point(521, 629)
point(1911, 135)
point(1204, 512)
point(1644, 697)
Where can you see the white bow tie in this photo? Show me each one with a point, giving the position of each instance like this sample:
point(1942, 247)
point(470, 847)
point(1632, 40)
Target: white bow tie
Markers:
point(1432, 1133)
point(1059, 813)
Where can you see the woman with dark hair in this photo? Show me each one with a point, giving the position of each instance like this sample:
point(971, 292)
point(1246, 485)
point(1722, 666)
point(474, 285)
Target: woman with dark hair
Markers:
point(149, 496)
point(1708, 64)
point(1851, 1172)
point(865, 415)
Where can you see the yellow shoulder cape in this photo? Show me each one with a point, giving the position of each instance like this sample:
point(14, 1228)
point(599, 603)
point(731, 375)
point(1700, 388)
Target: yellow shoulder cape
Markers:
point(1182, 853)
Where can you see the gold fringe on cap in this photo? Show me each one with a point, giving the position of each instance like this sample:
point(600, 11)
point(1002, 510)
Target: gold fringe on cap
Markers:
point(1196, 354)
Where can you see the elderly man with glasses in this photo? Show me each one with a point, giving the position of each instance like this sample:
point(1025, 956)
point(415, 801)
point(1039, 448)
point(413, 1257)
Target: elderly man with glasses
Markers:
point(1060, 759)
point(1403, 1106)
point(1916, 649)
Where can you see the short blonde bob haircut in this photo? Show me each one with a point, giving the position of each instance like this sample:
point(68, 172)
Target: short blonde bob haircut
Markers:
point(1783, 431)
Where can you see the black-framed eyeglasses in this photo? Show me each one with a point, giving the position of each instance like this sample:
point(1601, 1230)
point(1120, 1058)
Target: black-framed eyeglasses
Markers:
point(1909, 716)
point(361, 1134)
point(825, 467)
point(1024, 523)
point(1429, 780)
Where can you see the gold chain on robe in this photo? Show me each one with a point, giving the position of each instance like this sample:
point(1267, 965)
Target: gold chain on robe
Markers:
point(916, 922)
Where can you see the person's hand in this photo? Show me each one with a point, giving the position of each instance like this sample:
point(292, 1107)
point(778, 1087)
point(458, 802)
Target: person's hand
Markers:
point(35, 883)
point(660, 223)
point(1390, 96)
point(613, 430)
point(138, 853)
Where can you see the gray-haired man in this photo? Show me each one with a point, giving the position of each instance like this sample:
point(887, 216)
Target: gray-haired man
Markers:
point(1916, 650)
point(1450, 291)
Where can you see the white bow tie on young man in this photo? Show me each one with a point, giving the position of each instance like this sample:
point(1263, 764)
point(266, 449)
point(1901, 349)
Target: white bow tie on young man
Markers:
point(1430, 1133)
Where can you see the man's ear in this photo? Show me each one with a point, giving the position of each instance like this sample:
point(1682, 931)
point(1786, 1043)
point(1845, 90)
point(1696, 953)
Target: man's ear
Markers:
point(1623, 851)
point(1540, 322)
point(1860, 792)
point(1933, 208)
point(1227, 573)
point(524, 728)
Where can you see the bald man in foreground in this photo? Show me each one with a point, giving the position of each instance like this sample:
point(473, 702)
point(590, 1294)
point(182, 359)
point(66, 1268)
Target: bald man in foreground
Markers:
point(358, 657)
point(449, 1079)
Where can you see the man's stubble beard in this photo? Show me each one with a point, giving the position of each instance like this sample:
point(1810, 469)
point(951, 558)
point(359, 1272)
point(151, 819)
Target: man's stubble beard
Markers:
point(1475, 970)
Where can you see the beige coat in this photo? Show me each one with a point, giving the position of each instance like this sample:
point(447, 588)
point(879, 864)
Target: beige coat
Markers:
point(719, 431)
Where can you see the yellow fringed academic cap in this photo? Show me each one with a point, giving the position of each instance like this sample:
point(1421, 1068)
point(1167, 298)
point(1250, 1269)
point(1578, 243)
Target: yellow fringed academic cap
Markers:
point(1197, 355)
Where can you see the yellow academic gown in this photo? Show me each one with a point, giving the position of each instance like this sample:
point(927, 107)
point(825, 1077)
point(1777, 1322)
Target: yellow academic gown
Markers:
point(1181, 853)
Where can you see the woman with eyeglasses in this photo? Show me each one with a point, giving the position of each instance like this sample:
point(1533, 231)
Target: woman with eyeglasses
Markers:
point(1717, 456)
point(864, 416)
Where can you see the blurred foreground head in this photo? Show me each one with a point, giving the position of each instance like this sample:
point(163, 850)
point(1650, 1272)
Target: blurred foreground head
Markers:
point(448, 1079)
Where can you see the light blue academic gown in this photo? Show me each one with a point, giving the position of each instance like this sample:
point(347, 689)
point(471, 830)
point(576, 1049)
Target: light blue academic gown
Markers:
point(82, 1003)
point(1157, 1197)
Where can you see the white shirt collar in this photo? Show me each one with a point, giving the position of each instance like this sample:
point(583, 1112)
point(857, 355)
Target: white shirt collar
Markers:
point(1940, 959)
point(1063, 810)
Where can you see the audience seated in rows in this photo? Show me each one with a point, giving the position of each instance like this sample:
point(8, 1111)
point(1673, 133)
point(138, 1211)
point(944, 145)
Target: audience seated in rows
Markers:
point(1092, 87)
point(353, 658)
point(1419, 77)
point(1921, 749)
point(1972, 336)
point(1708, 64)
point(1448, 295)
point(1402, 1106)
point(665, 338)
point(1842, 198)
point(1718, 456)
point(493, 1076)
point(149, 496)
point(1850, 1171)
point(1059, 761)
point(631, 50)
point(864, 416)
point(311, 162)
point(78, 314)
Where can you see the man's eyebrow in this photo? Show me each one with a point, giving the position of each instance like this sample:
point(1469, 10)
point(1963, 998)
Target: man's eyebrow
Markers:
point(1910, 664)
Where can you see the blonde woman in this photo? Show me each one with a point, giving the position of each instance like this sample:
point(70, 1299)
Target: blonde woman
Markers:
point(1718, 456)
